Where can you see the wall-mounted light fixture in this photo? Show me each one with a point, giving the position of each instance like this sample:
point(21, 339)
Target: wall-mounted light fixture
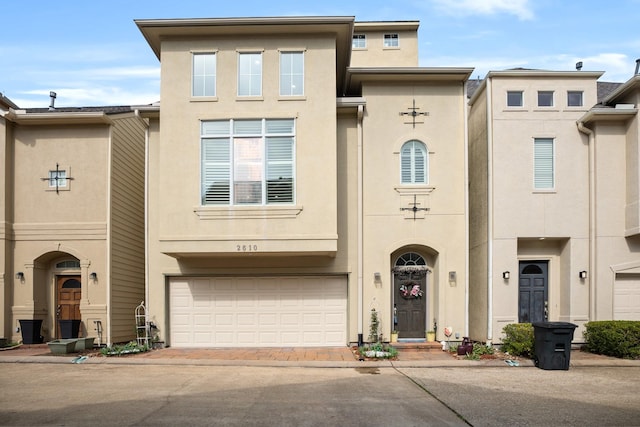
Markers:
point(93, 276)
point(453, 278)
point(20, 275)
point(582, 274)
point(377, 277)
point(506, 275)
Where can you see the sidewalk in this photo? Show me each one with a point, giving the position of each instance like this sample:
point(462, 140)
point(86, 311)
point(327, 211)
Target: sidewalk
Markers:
point(334, 357)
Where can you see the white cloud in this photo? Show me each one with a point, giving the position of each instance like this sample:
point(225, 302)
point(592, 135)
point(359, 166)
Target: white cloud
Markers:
point(91, 96)
point(520, 8)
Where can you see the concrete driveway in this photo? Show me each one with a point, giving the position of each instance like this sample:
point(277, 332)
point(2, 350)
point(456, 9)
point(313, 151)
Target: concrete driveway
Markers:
point(179, 394)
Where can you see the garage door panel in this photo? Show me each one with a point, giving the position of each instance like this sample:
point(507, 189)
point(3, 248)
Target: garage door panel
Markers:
point(626, 297)
point(243, 312)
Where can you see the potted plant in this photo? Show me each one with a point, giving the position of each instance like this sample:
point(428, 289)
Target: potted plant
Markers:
point(431, 336)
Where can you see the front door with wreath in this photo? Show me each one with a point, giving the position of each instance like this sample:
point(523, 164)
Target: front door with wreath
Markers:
point(410, 301)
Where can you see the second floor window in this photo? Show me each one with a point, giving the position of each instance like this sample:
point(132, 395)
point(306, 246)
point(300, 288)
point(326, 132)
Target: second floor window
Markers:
point(391, 40)
point(574, 98)
point(57, 179)
point(413, 163)
point(291, 73)
point(203, 81)
point(543, 164)
point(359, 41)
point(545, 98)
point(247, 162)
point(250, 74)
point(514, 98)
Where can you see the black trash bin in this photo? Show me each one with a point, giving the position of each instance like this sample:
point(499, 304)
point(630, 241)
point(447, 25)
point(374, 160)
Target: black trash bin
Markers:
point(31, 331)
point(552, 344)
point(69, 328)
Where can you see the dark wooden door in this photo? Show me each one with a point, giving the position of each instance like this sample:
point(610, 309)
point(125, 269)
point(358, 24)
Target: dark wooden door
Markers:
point(69, 293)
point(410, 306)
point(533, 291)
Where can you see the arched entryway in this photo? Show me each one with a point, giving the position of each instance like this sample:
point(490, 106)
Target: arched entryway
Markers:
point(410, 295)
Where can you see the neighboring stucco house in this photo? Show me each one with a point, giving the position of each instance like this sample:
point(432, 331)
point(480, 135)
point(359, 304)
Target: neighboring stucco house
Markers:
point(301, 172)
point(72, 220)
point(553, 201)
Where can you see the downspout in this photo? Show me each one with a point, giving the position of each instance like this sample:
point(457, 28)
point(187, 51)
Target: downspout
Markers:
point(489, 214)
point(146, 210)
point(465, 109)
point(592, 218)
point(360, 229)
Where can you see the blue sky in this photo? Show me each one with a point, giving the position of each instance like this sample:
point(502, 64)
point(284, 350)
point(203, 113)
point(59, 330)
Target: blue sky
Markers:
point(92, 53)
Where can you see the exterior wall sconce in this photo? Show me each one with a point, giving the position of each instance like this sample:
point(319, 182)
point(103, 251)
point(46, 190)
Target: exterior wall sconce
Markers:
point(582, 274)
point(377, 277)
point(93, 276)
point(453, 278)
point(20, 275)
point(506, 275)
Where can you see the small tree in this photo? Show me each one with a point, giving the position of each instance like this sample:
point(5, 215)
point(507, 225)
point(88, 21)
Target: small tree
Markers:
point(374, 327)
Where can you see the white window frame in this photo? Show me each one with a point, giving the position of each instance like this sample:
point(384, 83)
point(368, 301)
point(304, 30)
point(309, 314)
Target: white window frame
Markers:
point(575, 92)
point(412, 153)
point(221, 163)
point(359, 41)
point(292, 80)
point(61, 176)
point(521, 93)
point(250, 78)
point(544, 164)
point(391, 40)
point(544, 92)
point(206, 77)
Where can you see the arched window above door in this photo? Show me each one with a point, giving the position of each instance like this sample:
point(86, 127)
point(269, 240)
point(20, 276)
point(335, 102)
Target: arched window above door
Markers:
point(414, 163)
point(410, 259)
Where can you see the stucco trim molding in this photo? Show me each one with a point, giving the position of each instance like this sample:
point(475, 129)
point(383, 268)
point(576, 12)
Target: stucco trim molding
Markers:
point(632, 267)
point(246, 212)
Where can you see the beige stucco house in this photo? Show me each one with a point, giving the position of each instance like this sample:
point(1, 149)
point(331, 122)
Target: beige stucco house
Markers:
point(553, 201)
point(303, 171)
point(71, 220)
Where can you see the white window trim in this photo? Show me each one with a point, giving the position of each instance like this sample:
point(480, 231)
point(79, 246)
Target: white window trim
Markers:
point(247, 52)
point(515, 107)
point(575, 106)
point(204, 97)
point(553, 166)
point(68, 179)
point(303, 53)
point(361, 36)
point(264, 136)
point(426, 165)
point(384, 39)
point(553, 99)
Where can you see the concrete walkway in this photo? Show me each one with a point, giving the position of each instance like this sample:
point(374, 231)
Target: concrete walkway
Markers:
point(290, 356)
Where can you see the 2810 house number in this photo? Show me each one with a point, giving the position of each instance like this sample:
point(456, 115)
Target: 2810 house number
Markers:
point(246, 248)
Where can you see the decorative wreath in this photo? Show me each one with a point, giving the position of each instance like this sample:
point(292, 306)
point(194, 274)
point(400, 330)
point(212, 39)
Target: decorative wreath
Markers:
point(411, 290)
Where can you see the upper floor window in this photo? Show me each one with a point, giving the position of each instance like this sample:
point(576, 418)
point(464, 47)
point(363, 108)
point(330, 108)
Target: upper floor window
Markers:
point(514, 98)
point(545, 98)
point(247, 162)
point(413, 163)
point(359, 41)
point(291, 73)
point(574, 98)
point(543, 164)
point(249, 74)
point(204, 74)
point(57, 178)
point(391, 40)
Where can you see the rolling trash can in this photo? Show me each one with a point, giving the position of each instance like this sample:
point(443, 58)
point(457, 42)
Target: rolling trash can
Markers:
point(552, 344)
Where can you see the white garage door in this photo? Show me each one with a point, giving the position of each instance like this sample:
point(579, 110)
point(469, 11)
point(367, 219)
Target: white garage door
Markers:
point(626, 297)
point(258, 312)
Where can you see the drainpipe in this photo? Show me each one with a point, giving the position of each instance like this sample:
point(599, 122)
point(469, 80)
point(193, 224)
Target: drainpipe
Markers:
point(360, 229)
point(489, 213)
point(592, 218)
point(146, 209)
point(466, 208)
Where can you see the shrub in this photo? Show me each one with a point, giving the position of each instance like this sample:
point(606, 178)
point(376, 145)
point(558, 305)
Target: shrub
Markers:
point(479, 350)
point(616, 338)
point(518, 340)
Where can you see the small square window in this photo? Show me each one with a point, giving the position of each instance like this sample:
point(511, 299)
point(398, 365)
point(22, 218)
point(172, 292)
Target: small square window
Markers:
point(545, 98)
point(57, 179)
point(359, 41)
point(514, 98)
point(574, 98)
point(391, 40)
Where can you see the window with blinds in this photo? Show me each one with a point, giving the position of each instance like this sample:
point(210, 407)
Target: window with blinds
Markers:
point(413, 163)
point(248, 162)
point(543, 164)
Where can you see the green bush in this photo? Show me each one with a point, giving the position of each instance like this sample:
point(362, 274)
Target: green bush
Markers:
point(479, 350)
point(616, 338)
point(518, 340)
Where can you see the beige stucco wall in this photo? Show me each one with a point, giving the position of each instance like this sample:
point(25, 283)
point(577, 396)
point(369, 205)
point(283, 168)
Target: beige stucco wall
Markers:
point(6, 263)
point(376, 55)
point(440, 233)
